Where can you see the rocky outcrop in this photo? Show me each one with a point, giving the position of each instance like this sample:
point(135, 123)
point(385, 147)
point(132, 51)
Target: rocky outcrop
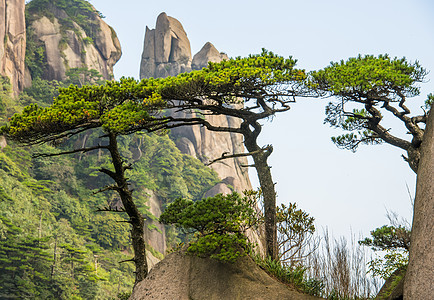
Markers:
point(207, 54)
point(167, 52)
point(67, 43)
point(393, 287)
point(13, 42)
point(180, 276)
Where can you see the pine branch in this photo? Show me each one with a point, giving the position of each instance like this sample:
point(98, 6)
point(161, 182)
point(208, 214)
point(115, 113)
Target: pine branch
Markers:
point(82, 150)
point(225, 156)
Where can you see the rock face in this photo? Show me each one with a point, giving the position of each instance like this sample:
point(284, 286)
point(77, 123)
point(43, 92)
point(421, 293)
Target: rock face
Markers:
point(180, 276)
point(13, 42)
point(68, 44)
point(167, 52)
point(208, 53)
point(157, 239)
point(420, 271)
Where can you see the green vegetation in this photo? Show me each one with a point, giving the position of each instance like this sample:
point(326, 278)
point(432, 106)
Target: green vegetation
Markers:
point(295, 229)
point(395, 241)
point(77, 249)
point(79, 110)
point(294, 275)
point(374, 85)
point(219, 224)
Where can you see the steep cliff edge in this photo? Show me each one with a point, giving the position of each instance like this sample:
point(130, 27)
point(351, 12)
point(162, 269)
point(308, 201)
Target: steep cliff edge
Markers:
point(12, 42)
point(64, 36)
point(167, 52)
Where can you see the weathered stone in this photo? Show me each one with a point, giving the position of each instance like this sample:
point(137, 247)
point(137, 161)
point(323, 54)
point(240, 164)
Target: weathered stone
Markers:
point(219, 188)
point(3, 142)
point(155, 238)
point(49, 33)
point(73, 48)
point(420, 271)
point(13, 42)
point(180, 276)
point(208, 53)
point(166, 50)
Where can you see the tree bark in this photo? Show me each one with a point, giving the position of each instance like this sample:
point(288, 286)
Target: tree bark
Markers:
point(420, 271)
point(269, 194)
point(136, 218)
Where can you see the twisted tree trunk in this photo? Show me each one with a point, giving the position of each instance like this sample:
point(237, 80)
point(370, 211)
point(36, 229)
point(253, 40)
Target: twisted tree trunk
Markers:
point(136, 218)
point(268, 193)
point(420, 271)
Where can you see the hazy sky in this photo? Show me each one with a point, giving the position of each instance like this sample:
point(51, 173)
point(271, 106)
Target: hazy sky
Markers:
point(342, 190)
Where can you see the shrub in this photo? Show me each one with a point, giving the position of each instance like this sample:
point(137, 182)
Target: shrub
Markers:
point(219, 224)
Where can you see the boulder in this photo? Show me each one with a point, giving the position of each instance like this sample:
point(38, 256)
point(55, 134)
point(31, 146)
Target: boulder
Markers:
point(180, 276)
point(13, 43)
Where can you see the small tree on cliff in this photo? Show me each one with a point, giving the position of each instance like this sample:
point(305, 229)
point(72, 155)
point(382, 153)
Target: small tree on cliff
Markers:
point(109, 107)
point(249, 90)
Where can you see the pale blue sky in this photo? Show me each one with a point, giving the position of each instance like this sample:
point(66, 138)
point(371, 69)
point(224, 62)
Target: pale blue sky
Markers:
point(342, 190)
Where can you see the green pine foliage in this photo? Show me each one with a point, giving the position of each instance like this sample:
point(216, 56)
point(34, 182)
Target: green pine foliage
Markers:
point(371, 82)
point(219, 224)
point(76, 249)
point(394, 241)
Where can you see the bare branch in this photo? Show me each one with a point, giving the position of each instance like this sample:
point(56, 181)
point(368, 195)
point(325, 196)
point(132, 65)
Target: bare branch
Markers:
point(82, 150)
point(109, 209)
point(128, 260)
point(113, 187)
point(108, 172)
point(225, 156)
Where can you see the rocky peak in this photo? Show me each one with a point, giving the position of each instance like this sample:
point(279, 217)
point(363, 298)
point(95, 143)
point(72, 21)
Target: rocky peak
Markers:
point(12, 42)
point(166, 50)
point(70, 36)
point(208, 53)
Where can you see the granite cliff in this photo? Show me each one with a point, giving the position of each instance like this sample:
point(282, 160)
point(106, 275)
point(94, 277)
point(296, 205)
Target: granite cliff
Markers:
point(167, 52)
point(12, 42)
point(64, 36)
